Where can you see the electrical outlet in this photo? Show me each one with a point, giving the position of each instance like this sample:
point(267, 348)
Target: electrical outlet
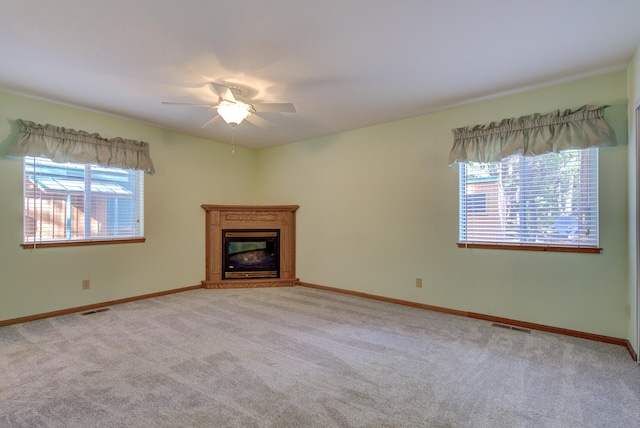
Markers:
point(419, 282)
point(86, 284)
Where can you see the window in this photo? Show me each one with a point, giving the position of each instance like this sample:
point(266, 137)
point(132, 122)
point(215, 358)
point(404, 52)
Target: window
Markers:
point(543, 201)
point(476, 203)
point(74, 203)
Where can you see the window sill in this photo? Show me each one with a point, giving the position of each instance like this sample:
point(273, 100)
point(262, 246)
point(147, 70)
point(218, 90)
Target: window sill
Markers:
point(549, 248)
point(78, 243)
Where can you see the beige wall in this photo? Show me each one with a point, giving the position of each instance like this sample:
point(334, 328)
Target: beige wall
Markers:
point(379, 209)
point(633, 83)
point(190, 172)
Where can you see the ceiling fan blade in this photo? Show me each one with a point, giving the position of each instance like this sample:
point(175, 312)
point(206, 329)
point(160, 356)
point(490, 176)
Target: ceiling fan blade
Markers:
point(189, 104)
point(274, 107)
point(223, 91)
point(260, 122)
point(213, 119)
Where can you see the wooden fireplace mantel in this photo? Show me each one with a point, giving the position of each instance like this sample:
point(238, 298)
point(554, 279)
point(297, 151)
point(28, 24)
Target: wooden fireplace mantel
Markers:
point(220, 217)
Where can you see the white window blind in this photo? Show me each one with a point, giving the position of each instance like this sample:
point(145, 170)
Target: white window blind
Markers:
point(545, 200)
point(79, 202)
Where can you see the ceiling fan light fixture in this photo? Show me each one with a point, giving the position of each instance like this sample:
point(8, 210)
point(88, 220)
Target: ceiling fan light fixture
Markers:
point(234, 112)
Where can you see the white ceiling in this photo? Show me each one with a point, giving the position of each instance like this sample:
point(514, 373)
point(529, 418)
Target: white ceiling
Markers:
point(345, 64)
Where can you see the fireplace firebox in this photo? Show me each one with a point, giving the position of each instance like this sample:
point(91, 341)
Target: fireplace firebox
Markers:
point(251, 253)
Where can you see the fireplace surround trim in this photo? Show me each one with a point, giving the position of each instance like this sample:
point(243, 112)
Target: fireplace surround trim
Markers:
point(220, 217)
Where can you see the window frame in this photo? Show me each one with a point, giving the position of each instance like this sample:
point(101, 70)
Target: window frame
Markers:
point(99, 239)
point(463, 221)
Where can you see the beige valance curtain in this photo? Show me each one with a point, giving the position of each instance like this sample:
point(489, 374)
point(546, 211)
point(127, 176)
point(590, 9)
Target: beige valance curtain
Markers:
point(68, 145)
point(533, 135)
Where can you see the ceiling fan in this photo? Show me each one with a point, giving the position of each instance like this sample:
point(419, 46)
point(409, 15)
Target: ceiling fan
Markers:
point(234, 110)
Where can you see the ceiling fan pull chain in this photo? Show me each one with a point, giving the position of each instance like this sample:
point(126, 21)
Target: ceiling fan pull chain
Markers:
point(233, 139)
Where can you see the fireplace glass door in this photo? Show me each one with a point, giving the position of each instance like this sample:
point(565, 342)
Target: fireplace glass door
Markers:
point(251, 254)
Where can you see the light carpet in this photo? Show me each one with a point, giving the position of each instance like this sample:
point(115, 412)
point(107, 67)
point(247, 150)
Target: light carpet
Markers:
point(301, 357)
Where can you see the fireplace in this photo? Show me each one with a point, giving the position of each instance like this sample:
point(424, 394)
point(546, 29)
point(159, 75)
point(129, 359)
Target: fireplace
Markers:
point(251, 253)
point(250, 246)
